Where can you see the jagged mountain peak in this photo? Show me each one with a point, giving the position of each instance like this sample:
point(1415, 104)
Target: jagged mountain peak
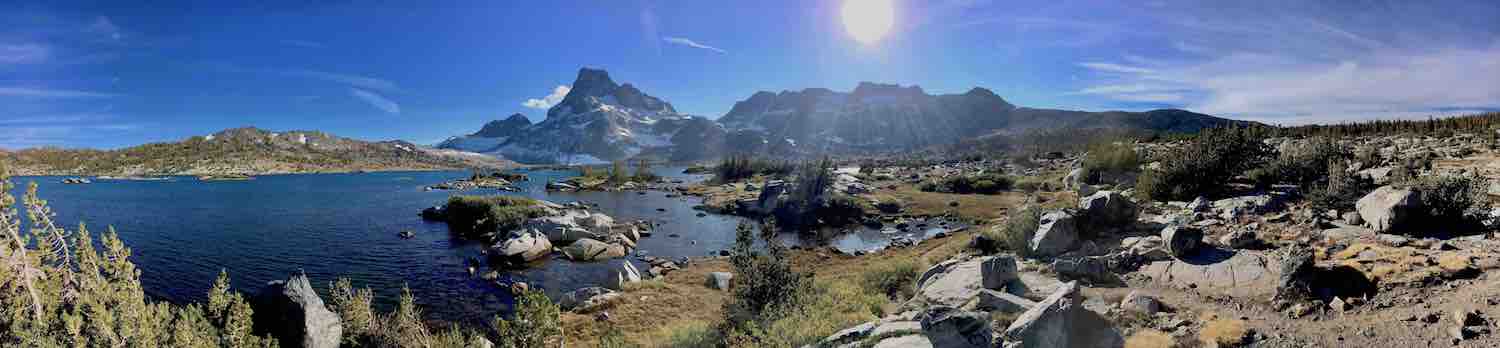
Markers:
point(594, 88)
point(504, 128)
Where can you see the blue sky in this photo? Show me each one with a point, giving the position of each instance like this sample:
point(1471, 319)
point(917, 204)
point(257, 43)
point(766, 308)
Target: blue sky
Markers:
point(107, 76)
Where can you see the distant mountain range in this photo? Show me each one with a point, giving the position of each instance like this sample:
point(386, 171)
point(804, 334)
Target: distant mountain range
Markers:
point(601, 121)
point(246, 151)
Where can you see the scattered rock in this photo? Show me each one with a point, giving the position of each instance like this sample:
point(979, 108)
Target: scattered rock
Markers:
point(1141, 304)
point(587, 250)
point(585, 299)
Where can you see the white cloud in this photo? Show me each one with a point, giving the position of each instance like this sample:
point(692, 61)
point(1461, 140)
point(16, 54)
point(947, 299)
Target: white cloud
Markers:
point(23, 53)
point(51, 93)
point(376, 100)
point(693, 44)
point(551, 99)
point(1383, 84)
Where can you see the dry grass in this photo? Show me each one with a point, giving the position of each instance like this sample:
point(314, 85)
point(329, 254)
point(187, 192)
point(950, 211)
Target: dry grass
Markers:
point(1454, 263)
point(970, 207)
point(1223, 332)
point(1150, 339)
point(651, 313)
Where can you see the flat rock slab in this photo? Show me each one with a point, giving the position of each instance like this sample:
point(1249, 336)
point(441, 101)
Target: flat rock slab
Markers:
point(958, 282)
point(908, 341)
point(1245, 274)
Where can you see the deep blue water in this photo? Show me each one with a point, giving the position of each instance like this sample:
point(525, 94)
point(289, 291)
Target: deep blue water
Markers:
point(183, 231)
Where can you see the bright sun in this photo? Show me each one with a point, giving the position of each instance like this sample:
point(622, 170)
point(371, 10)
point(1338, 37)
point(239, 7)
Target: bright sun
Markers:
point(868, 20)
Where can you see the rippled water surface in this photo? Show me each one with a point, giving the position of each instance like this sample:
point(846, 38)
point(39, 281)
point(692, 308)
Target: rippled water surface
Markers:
point(184, 231)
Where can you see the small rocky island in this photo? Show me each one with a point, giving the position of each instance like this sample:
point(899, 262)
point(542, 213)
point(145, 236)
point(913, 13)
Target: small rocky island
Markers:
point(522, 230)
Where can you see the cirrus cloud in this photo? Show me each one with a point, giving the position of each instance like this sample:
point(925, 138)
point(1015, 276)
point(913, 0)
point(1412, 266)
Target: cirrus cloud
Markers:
point(376, 100)
point(694, 44)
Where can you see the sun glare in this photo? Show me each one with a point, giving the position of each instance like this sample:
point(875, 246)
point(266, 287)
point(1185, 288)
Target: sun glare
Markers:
point(868, 20)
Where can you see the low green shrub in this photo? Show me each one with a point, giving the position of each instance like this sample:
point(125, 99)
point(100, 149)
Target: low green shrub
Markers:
point(1456, 201)
point(896, 279)
point(480, 216)
point(1204, 164)
point(739, 167)
point(1019, 227)
point(1109, 160)
point(987, 184)
point(1339, 191)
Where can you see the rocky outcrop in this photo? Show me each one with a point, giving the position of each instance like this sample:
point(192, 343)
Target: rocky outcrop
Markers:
point(1061, 321)
point(291, 311)
point(1389, 208)
point(1106, 210)
point(954, 282)
point(1058, 233)
point(952, 327)
point(572, 225)
point(522, 247)
point(1241, 274)
point(588, 250)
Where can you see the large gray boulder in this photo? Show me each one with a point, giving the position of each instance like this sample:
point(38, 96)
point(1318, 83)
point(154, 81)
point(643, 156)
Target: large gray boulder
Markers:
point(1061, 321)
point(954, 283)
point(571, 225)
point(952, 327)
point(587, 250)
point(1389, 208)
point(998, 272)
point(1181, 241)
point(291, 311)
point(1057, 234)
point(522, 247)
point(1106, 210)
point(1050, 322)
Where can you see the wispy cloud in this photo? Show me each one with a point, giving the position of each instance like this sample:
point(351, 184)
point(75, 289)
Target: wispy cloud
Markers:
point(302, 43)
point(1115, 68)
point(51, 93)
point(551, 99)
point(102, 25)
point(693, 44)
point(376, 100)
point(364, 82)
point(25, 53)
